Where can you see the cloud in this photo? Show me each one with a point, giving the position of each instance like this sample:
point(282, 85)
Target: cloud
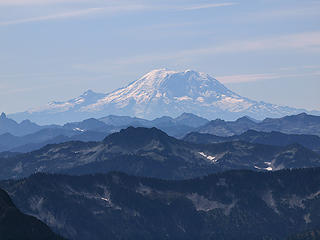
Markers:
point(246, 77)
point(242, 78)
point(70, 14)
point(302, 41)
point(309, 41)
point(111, 8)
point(73, 14)
point(205, 6)
point(312, 67)
point(304, 12)
point(34, 2)
point(125, 2)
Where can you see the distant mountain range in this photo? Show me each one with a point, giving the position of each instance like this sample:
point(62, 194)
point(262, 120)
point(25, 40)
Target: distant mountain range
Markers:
point(28, 137)
point(8, 125)
point(152, 153)
point(270, 138)
point(158, 93)
point(17, 137)
point(237, 205)
point(296, 124)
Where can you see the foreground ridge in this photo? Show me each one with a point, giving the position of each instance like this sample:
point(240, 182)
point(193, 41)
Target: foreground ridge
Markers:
point(230, 205)
point(15, 225)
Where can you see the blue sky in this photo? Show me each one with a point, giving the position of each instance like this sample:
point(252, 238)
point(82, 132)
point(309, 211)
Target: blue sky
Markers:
point(266, 50)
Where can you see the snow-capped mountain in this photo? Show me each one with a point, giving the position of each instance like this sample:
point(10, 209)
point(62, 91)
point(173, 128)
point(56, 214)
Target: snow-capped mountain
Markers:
point(158, 93)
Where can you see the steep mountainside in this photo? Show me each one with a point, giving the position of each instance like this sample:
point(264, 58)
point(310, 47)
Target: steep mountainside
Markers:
point(295, 124)
point(270, 138)
point(15, 225)
point(152, 153)
point(236, 205)
point(158, 93)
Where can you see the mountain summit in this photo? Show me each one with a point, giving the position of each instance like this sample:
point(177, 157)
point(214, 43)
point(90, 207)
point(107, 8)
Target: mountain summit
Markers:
point(160, 92)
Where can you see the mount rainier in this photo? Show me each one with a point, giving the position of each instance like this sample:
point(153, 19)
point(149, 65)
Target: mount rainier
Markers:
point(158, 93)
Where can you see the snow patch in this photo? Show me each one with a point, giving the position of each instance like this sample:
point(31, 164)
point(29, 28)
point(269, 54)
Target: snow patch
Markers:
point(105, 199)
point(210, 158)
point(268, 168)
point(78, 130)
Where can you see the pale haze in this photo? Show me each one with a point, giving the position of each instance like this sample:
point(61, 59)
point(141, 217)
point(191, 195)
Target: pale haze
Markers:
point(266, 50)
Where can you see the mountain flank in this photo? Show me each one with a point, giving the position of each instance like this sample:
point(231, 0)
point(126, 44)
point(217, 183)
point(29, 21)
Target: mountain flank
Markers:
point(270, 138)
point(151, 152)
point(237, 205)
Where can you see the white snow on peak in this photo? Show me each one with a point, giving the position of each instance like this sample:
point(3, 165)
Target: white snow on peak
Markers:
point(167, 87)
point(88, 92)
point(165, 92)
point(156, 76)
